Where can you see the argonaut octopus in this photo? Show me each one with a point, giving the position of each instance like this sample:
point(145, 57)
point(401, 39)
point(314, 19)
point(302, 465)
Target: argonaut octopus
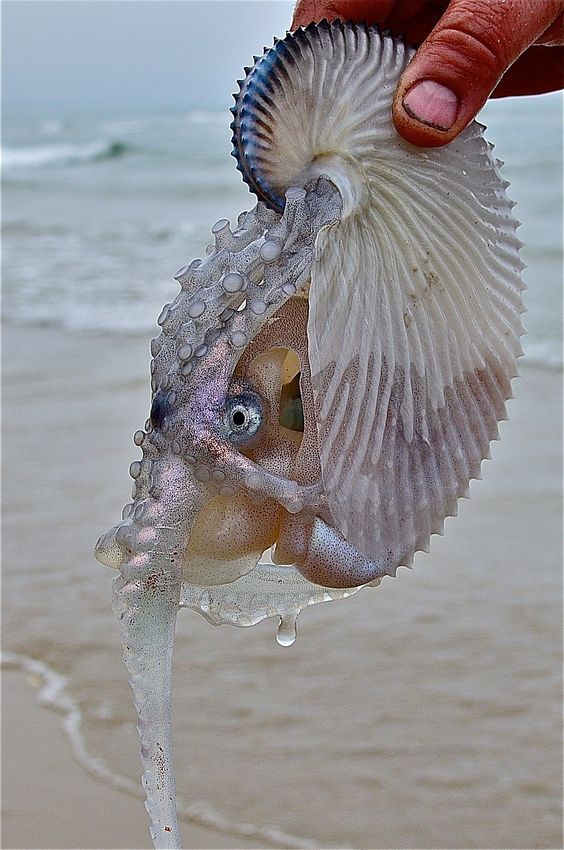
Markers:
point(328, 379)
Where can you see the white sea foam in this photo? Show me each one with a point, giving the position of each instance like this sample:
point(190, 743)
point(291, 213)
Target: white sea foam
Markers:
point(94, 249)
point(60, 154)
point(54, 695)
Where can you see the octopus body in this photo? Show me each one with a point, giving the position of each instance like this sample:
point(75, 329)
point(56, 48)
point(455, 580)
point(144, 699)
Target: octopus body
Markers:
point(327, 380)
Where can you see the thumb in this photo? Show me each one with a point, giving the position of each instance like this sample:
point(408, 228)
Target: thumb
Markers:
point(460, 63)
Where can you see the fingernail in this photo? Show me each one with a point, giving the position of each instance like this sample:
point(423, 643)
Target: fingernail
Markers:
point(432, 104)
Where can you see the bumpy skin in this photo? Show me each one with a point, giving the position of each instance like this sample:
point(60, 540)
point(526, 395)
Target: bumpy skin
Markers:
point(188, 457)
point(406, 337)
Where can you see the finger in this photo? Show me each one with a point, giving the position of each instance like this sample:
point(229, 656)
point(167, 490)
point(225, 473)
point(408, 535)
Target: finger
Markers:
point(307, 11)
point(461, 62)
point(539, 70)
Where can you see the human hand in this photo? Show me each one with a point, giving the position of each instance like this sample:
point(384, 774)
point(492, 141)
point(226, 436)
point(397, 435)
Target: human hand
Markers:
point(470, 49)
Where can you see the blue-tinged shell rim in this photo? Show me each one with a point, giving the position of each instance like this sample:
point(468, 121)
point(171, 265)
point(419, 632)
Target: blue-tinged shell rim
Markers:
point(259, 75)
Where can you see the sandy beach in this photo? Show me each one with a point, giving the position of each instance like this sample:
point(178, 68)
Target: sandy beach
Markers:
point(425, 713)
point(48, 801)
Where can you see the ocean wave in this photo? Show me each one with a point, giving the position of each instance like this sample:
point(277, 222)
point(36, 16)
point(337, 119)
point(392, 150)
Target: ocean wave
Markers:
point(53, 695)
point(61, 154)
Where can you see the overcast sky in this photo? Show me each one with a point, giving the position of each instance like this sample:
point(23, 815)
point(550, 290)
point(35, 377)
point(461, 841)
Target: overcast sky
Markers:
point(117, 56)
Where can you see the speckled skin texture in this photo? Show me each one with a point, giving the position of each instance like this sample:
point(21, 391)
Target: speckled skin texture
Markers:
point(385, 282)
point(224, 339)
point(208, 498)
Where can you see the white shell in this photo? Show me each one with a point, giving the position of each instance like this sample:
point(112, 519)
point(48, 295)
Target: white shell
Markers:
point(415, 295)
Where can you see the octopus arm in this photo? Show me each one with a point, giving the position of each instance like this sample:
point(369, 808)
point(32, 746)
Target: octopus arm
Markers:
point(147, 616)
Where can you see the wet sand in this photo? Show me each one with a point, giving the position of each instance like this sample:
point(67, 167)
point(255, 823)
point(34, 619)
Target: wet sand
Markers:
point(48, 801)
point(425, 713)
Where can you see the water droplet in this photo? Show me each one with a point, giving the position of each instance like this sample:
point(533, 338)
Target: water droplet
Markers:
point(286, 632)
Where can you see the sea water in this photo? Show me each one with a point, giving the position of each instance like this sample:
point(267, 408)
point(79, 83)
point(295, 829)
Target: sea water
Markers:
point(99, 213)
point(422, 713)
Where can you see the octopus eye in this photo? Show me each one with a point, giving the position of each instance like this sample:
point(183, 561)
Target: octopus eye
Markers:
point(243, 417)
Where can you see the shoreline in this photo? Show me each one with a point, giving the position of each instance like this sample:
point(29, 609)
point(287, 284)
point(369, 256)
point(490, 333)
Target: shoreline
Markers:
point(38, 749)
point(438, 692)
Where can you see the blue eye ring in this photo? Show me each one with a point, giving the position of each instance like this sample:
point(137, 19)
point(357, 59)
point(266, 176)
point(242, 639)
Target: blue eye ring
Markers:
point(242, 416)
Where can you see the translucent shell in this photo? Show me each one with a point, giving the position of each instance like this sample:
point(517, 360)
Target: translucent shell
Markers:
point(321, 92)
point(415, 296)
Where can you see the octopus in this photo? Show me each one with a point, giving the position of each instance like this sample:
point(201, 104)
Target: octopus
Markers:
point(328, 379)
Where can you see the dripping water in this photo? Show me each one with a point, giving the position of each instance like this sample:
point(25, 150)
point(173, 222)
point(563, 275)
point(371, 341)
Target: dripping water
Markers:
point(286, 632)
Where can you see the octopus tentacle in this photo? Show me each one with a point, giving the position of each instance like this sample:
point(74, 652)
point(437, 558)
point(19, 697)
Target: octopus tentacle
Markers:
point(380, 284)
point(147, 620)
point(223, 304)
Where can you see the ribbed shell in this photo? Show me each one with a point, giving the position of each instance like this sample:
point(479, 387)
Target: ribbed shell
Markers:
point(415, 296)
